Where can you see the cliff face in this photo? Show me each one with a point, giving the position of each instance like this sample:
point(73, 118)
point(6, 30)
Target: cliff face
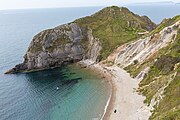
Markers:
point(62, 45)
point(93, 37)
point(142, 49)
point(56, 47)
point(94, 47)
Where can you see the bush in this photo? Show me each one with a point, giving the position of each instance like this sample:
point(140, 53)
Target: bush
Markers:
point(135, 62)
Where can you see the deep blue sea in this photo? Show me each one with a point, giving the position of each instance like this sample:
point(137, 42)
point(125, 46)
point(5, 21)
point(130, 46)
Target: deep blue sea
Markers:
point(82, 94)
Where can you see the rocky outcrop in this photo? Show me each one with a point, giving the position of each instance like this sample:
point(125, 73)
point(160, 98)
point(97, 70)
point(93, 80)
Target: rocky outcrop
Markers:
point(55, 47)
point(62, 45)
point(142, 74)
point(94, 47)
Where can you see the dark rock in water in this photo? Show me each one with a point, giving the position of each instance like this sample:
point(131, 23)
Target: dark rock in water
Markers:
point(13, 70)
point(72, 73)
point(72, 81)
point(17, 67)
point(76, 79)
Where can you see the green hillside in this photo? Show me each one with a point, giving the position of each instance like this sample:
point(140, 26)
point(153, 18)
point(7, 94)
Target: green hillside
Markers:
point(115, 26)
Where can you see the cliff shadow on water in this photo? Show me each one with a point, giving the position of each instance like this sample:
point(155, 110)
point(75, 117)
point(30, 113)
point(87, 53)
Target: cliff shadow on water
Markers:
point(67, 92)
point(57, 79)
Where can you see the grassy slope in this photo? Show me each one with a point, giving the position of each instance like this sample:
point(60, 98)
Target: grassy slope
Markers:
point(160, 73)
point(169, 107)
point(166, 22)
point(115, 26)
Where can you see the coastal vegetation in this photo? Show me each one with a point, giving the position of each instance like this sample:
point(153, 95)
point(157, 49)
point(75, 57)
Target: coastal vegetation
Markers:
point(161, 85)
point(115, 26)
point(165, 23)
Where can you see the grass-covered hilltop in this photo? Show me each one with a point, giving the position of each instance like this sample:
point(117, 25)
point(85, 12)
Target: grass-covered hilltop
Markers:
point(116, 36)
point(114, 26)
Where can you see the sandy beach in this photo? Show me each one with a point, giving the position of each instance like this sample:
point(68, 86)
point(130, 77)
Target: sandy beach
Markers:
point(125, 103)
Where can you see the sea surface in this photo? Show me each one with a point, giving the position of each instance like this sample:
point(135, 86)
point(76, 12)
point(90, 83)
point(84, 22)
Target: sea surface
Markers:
point(66, 93)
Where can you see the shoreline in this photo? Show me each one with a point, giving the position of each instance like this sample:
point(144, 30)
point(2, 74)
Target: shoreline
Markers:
point(106, 76)
point(124, 99)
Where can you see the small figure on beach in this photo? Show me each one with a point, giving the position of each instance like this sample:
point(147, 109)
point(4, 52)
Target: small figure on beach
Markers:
point(115, 111)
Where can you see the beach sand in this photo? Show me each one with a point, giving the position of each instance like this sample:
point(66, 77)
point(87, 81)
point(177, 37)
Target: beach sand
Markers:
point(125, 103)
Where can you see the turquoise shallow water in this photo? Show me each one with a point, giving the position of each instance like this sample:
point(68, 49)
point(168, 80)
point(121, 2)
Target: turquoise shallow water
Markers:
point(34, 96)
point(82, 95)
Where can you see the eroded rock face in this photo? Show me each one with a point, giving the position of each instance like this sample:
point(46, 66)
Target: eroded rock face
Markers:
point(141, 49)
point(62, 45)
point(55, 47)
point(94, 47)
